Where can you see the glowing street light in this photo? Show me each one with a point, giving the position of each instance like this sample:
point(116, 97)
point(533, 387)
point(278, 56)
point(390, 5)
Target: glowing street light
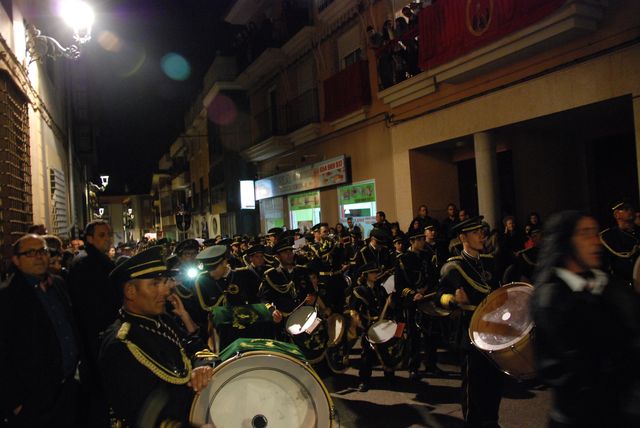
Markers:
point(79, 16)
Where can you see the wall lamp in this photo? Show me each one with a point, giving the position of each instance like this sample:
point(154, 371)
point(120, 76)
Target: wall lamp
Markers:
point(79, 16)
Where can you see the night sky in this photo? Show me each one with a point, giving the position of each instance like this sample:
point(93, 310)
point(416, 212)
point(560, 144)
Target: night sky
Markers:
point(147, 60)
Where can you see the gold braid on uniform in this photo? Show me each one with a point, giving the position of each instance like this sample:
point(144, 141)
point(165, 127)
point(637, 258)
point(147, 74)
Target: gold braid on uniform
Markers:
point(155, 367)
point(201, 299)
point(355, 292)
point(482, 288)
point(282, 289)
point(170, 423)
point(622, 254)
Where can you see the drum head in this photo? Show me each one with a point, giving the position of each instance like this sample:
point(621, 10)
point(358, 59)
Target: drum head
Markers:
point(430, 308)
point(301, 319)
point(336, 327)
point(503, 318)
point(382, 331)
point(263, 389)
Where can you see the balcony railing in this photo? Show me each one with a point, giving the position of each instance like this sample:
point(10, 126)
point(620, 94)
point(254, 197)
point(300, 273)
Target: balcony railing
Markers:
point(297, 113)
point(268, 123)
point(302, 110)
point(347, 91)
point(446, 31)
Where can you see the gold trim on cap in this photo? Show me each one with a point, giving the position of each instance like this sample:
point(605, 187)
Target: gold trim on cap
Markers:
point(470, 228)
point(162, 268)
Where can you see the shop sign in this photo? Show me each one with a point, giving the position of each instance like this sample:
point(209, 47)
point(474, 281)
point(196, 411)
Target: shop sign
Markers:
point(320, 174)
point(304, 201)
point(357, 193)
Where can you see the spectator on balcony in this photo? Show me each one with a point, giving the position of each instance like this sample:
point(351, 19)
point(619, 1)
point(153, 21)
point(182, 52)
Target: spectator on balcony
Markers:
point(388, 32)
point(401, 27)
point(384, 60)
point(411, 17)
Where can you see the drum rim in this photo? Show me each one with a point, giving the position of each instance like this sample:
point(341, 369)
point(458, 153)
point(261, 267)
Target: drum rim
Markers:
point(302, 363)
point(429, 302)
point(377, 323)
point(302, 309)
point(474, 320)
point(338, 339)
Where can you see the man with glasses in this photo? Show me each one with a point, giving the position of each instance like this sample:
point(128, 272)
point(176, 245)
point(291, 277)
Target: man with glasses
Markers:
point(95, 303)
point(39, 350)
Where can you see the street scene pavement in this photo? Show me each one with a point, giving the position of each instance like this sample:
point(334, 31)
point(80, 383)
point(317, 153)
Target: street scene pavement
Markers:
point(430, 402)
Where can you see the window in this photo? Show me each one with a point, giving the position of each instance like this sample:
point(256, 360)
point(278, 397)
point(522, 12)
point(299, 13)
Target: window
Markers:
point(15, 169)
point(352, 57)
point(350, 45)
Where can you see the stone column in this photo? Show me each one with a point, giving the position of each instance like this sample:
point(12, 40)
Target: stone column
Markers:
point(484, 145)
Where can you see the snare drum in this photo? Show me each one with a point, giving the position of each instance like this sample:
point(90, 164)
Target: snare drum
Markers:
point(302, 320)
point(336, 326)
point(263, 383)
point(502, 328)
point(309, 332)
point(389, 347)
point(429, 307)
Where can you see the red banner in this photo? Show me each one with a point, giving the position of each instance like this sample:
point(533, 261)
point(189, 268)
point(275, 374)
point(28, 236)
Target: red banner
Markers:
point(347, 91)
point(452, 28)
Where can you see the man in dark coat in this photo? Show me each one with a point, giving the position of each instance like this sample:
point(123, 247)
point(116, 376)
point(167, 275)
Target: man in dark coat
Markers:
point(95, 304)
point(39, 350)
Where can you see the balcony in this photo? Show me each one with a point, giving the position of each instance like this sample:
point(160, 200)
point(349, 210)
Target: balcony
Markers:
point(268, 123)
point(347, 92)
point(451, 51)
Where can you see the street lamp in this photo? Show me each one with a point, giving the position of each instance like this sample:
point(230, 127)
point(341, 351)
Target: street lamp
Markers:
point(92, 198)
point(79, 16)
point(127, 222)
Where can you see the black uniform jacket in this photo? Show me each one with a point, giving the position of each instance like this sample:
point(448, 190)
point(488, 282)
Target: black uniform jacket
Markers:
point(476, 277)
point(369, 302)
point(145, 364)
point(286, 290)
point(622, 250)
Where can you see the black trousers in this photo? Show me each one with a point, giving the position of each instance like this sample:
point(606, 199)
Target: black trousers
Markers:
point(482, 385)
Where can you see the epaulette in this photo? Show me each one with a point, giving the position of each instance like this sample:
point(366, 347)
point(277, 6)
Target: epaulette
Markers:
point(241, 268)
point(454, 258)
point(123, 331)
point(486, 256)
point(269, 270)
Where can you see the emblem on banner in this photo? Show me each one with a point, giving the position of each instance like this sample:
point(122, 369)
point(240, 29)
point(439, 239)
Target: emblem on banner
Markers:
point(479, 16)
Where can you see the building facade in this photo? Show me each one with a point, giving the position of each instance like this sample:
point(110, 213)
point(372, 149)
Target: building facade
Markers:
point(41, 178)
point(502, 108)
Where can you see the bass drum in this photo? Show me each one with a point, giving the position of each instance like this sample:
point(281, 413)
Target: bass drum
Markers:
point(502, 329)
point(257, 387)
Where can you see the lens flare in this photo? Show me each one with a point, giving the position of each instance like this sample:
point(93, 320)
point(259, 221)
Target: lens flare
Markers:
point(109, 41)
point(222, 110)
point(175, 66)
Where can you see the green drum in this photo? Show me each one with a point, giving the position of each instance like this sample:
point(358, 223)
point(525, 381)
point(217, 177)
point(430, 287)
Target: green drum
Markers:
point(243, 321)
